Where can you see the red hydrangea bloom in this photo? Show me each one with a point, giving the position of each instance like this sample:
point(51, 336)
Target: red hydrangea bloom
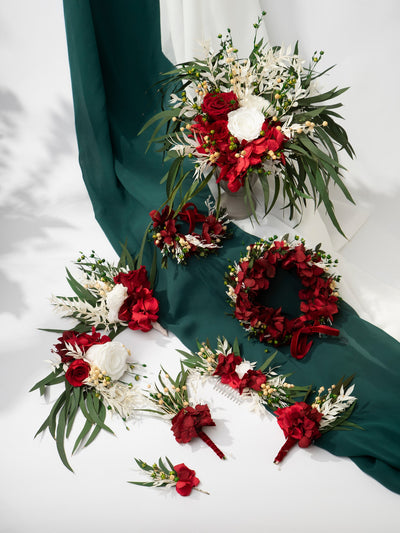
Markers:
point(300, 421)
point(83, 341)
point(226, 369)
point(134, 280)
point(186, 479)
point(234, 169)
point(140, 309)
point(189, 421)
point(253, 379)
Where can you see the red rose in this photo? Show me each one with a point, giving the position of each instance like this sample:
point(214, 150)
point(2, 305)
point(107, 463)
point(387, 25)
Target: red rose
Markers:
point(81, 340)
point(300, 421)
point(187, 479)
point(77, 372)
point(189, 421)
point(218, 105)
point(134, 280)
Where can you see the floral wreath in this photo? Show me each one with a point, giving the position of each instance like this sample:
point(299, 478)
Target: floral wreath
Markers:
point(173, 242)
point(319, 298)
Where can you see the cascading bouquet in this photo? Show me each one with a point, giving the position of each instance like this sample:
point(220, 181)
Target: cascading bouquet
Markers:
point(91, 367)
point(258, 116)
point(262, 387)
point(109, 297)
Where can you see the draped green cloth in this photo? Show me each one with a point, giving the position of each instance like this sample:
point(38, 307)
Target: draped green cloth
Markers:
point(115, 59)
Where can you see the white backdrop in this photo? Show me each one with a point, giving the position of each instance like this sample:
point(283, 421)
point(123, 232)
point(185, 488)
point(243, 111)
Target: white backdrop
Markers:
point(46, 218)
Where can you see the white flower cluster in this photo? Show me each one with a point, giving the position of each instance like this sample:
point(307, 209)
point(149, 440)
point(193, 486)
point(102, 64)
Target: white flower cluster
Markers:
point(105, 313)
point(332, 408)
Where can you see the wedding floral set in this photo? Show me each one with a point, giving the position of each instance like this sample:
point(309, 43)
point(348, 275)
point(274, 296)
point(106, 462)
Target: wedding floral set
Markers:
point(234, 118)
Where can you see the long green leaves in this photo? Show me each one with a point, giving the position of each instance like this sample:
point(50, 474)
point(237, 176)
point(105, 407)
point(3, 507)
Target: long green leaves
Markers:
point(62, 416)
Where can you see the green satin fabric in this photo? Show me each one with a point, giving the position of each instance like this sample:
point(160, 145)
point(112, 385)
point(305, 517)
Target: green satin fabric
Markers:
point(115, 60)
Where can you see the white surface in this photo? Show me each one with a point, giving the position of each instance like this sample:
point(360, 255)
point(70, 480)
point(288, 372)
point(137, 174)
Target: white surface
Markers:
point(47, 218)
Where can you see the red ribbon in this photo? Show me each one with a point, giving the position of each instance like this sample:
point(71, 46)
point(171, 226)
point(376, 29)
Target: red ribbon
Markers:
point(300, 346)
point(290, 442)
point(190, 214)
point(205, 438)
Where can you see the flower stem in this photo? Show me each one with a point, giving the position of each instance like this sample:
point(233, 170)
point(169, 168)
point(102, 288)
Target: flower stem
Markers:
point(205, 438)
point(290, 442)
point(203, 491)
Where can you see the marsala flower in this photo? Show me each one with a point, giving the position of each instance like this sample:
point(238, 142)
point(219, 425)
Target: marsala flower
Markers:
point(186, 479)
point(159, 219)
point(253, 379)
point(140, 308)
point(226, 369)
point(189, 421)
point(140, 312)
point(83, 341)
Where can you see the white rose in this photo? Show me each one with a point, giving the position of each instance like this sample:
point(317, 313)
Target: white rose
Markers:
point(245, 123)
point(257, 102)
point(243, 368)
point(110, 357)
point(115, 298)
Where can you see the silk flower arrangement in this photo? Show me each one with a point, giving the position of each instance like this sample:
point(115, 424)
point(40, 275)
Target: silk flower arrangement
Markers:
point(258, 116)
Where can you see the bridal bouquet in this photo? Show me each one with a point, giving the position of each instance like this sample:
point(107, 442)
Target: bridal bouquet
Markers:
point(257, 116)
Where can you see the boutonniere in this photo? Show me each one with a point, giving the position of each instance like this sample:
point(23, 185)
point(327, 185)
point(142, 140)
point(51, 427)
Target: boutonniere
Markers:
point(170, 397)
point(179, 476)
